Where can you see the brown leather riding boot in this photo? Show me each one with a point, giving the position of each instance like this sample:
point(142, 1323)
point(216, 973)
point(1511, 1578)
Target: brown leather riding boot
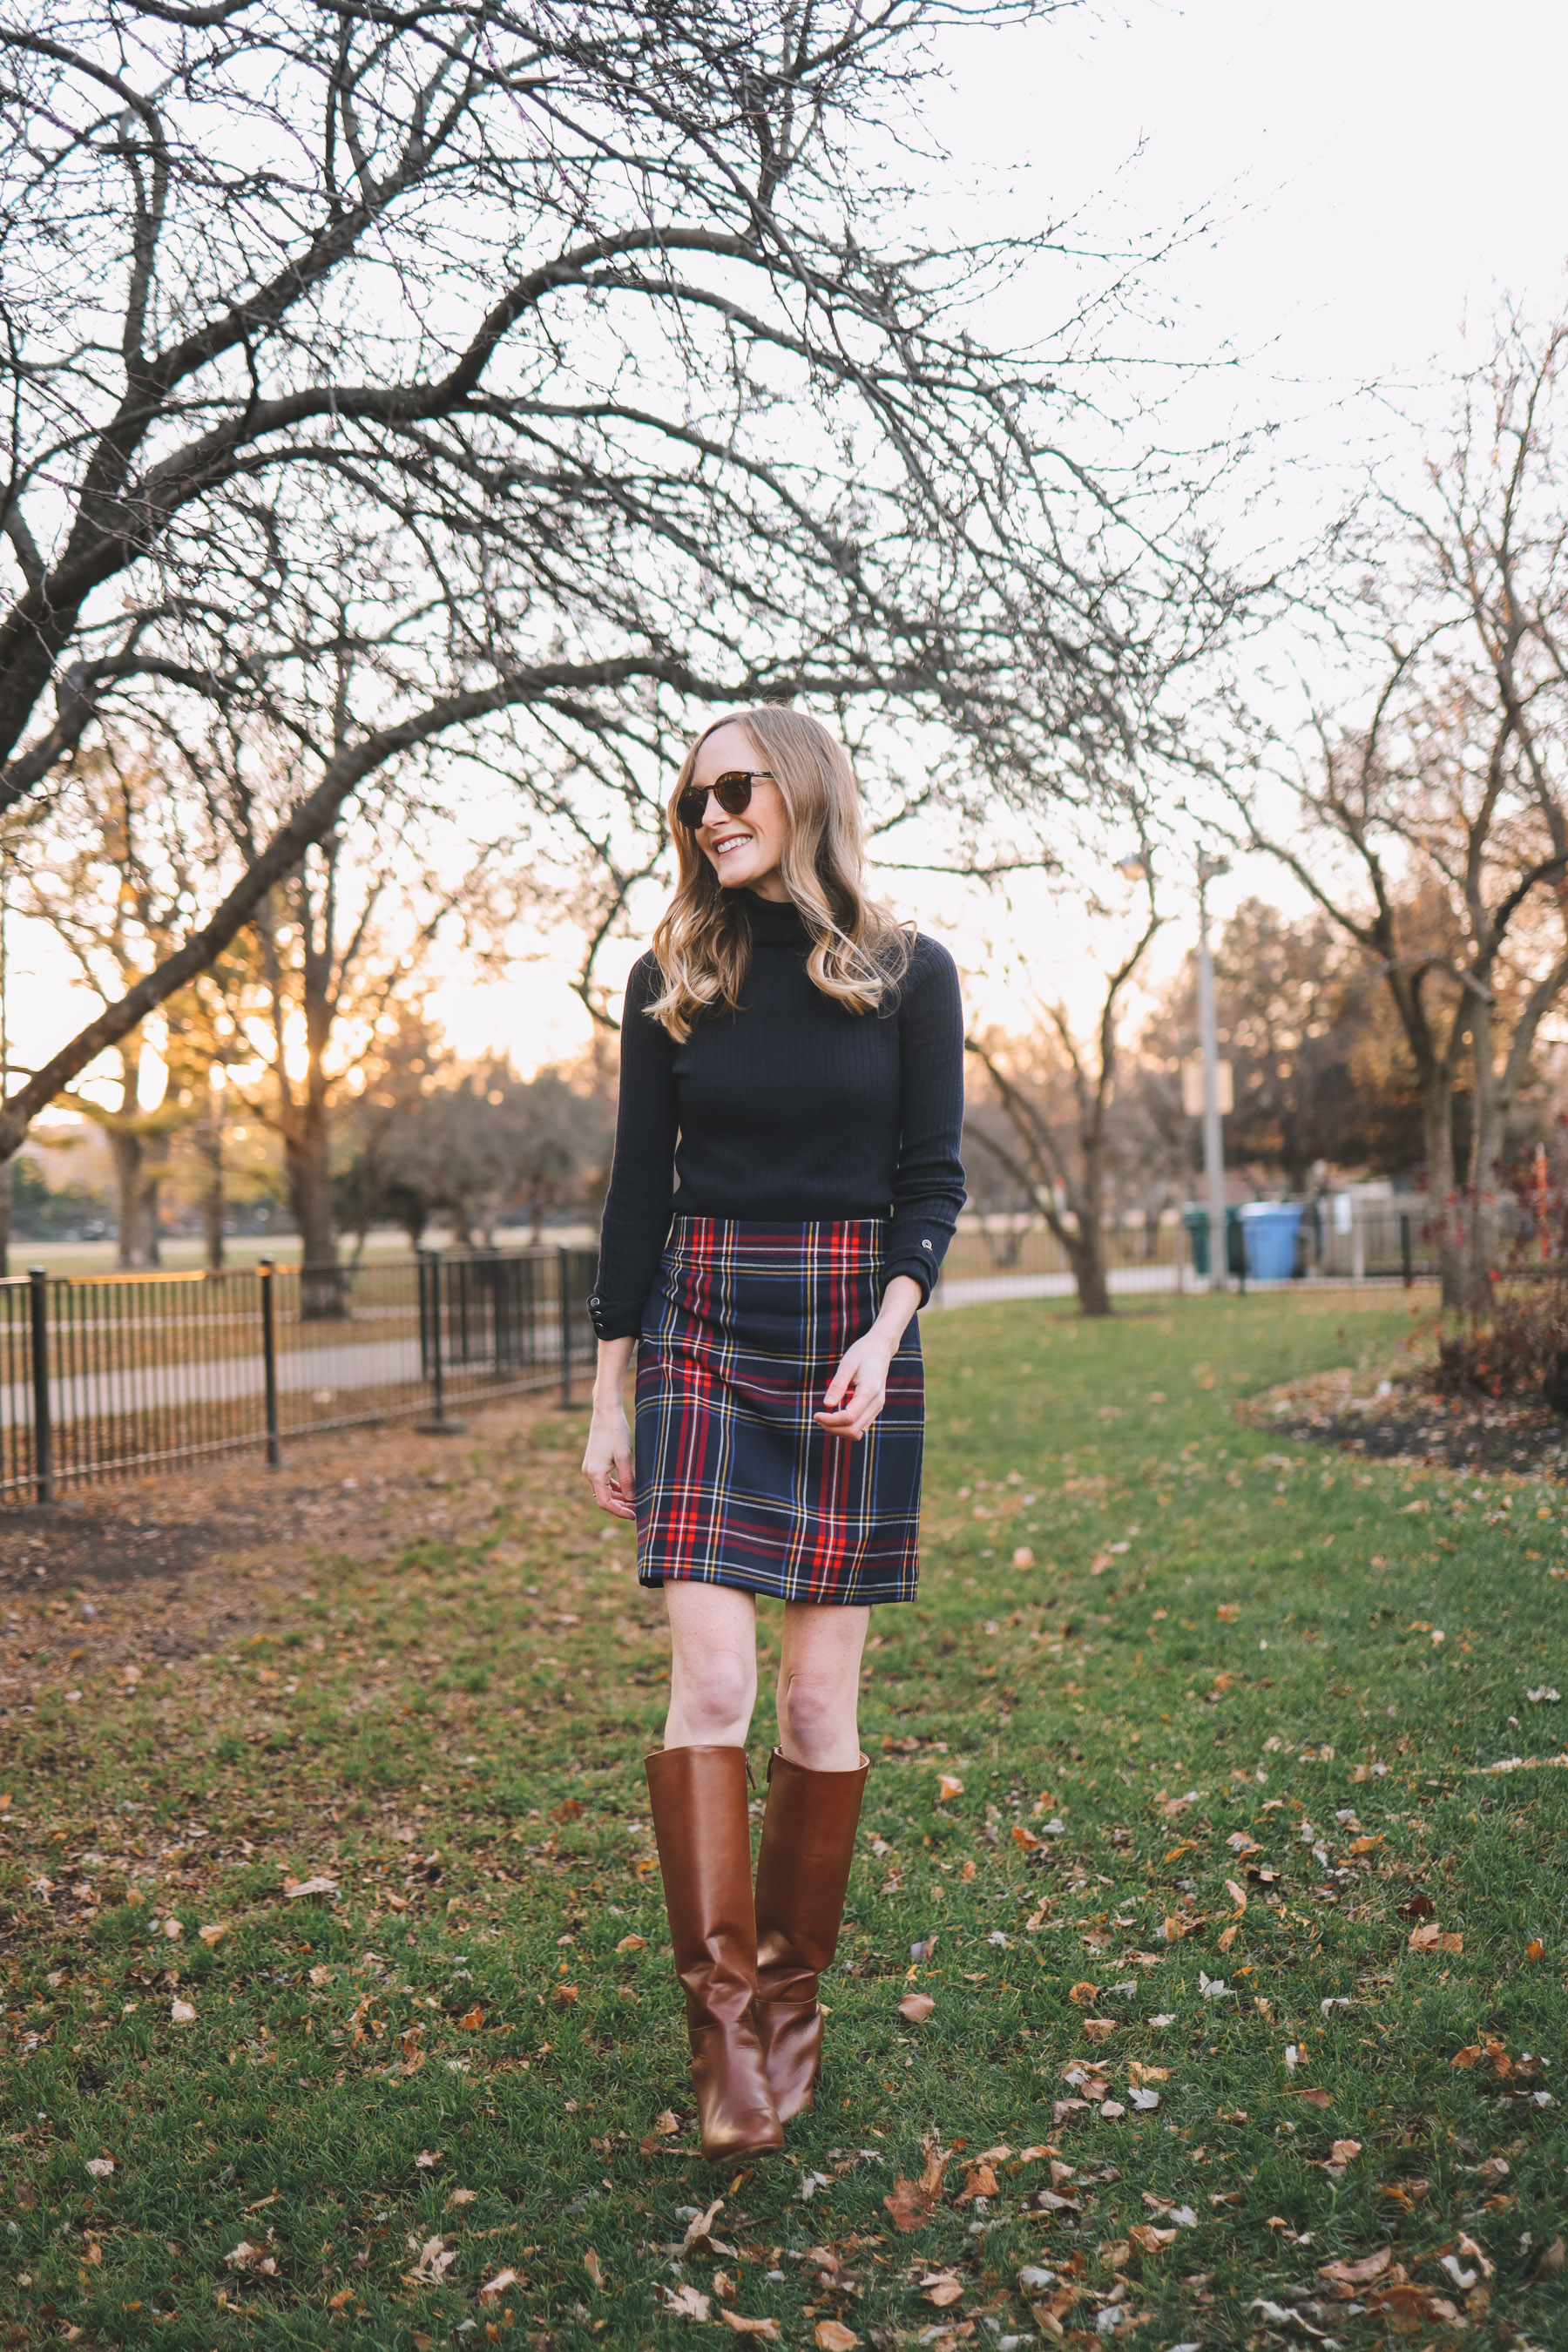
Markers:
point(802, 1875)
point(704, 1834)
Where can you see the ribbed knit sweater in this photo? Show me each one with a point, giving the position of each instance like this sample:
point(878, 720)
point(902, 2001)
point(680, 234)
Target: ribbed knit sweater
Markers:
point(793, 1109)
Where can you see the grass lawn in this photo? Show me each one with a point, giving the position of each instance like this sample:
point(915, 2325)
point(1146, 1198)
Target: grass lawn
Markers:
point(1242, 1968)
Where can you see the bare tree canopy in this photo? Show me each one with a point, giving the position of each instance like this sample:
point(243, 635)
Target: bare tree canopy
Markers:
point(1431, 823)
point(555, 355)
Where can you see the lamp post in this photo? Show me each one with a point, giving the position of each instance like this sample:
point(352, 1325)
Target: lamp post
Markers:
point(1209, 870)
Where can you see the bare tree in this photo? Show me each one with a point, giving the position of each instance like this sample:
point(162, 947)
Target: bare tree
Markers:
point(1046, 1120)
point(548, 358)
point(1433, 830)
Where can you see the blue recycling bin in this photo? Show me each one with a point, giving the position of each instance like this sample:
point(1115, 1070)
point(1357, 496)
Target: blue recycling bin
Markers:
point(1269, 1229)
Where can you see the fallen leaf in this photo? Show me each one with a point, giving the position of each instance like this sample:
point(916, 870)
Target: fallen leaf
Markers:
point(665, 2123)
point(1115, 2255)
point(1359, 2273)
point(593, 2267)
point(1080, 1995)
point(100, 2167)
point(832, 2335)
point(1100, 2029)
point(1535, 1949)
point(493, 2289)
point(295, 1887)
point(320, 1974)
point(173, 1929)
point(979, 2180)
point(1226, 1936)
point(943, 2288)
point(182, 2013)
point(1022, 1557)
point(341, 2301)
point(685, 2303)
point(912, 2202)
point(472, 2018)
point(698, 2228)
point(631, 1943)
point(427, 2160)
point(434, 2260)
point(1552, 2259)
point(1237, 1894)
point(948, 1784)
point(1228, 1611)
point(1149, 2240)
point(1468, 2246)
point(461, 2196)
point(768, 2329)
point(917, 2007)
point(1344, 2151)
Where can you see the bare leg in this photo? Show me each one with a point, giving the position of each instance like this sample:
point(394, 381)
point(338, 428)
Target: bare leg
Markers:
point(714, 1665)
point(820, 1685)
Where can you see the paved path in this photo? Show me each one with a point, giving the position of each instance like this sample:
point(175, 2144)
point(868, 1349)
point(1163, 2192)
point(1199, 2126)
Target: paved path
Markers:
point(323, 1372)
point(975, 1290)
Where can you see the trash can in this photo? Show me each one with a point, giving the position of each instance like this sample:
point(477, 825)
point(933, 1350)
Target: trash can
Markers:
point(1269, 1229)
point(1196, 1222)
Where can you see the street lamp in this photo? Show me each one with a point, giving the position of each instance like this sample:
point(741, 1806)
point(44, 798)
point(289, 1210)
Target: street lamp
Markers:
point(1209, 870)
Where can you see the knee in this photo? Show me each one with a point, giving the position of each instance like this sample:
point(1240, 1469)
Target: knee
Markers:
point(718, 1691)
point(813, 1711)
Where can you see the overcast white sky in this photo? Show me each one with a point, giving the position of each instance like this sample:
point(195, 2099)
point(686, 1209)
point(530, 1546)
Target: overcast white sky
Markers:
point(1376, 174)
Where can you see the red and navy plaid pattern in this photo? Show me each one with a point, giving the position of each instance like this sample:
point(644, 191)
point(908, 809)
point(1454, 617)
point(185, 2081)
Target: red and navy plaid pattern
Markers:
point(735, 1484)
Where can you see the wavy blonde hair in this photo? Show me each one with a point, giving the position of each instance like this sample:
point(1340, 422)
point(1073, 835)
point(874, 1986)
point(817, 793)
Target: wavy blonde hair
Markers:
point(859, 951)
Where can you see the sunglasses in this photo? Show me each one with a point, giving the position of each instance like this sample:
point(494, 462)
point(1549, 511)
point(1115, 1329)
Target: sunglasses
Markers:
point(732, 791)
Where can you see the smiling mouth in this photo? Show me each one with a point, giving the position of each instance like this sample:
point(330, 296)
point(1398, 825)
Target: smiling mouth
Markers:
point(730, 841)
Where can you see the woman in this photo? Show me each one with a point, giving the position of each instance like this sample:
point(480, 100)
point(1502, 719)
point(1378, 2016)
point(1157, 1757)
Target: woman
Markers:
point(791, 1092)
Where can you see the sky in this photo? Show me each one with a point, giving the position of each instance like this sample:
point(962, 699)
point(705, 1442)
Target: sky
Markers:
point(1373, 180)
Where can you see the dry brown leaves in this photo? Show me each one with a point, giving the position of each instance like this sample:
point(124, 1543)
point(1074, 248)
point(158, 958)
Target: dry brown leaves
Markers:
point(913, 2203)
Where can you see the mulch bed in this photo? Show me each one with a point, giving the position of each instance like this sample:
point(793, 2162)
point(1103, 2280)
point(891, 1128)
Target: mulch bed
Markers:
point(1402, 1421)
point(358, 1493)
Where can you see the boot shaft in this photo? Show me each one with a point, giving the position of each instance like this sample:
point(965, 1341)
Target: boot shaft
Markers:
point(802, 1869)
point(703, 1833)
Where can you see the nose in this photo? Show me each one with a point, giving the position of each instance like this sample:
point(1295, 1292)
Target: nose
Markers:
point(714, 814)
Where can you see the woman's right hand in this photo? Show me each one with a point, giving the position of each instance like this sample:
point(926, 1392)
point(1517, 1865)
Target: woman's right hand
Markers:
point(607, 1463)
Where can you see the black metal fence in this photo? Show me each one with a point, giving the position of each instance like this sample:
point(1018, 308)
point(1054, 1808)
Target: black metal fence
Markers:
point(106, 1375)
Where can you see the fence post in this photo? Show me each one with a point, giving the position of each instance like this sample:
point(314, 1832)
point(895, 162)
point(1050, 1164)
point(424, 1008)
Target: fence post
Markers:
point(1405, 1264)
point(43, 1427)
point(439, 1425)
point(264, 1274)
point(564, 1284)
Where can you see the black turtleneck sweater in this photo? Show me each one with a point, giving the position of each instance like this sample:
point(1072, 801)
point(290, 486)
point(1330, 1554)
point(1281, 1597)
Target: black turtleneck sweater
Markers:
point(792, 1108)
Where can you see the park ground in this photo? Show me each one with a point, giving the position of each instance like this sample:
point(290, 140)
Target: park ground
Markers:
point(1202, 1983)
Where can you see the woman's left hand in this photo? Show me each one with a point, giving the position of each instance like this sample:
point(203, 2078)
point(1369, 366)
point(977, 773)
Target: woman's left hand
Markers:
point(858, 1388)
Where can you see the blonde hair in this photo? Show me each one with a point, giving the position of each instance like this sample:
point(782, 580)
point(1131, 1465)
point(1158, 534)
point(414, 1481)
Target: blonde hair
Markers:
point(859, 951)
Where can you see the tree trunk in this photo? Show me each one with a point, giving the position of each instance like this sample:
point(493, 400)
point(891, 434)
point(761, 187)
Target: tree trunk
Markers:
point(1087, 1251)
point(129, 1152)
point(306, 1144)
point(1445, 1208)
point(1483, 1233)
point(209, 1146)
point(5, 1167)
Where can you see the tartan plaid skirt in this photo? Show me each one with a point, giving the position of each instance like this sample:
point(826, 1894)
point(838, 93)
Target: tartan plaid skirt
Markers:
point(735, 1482)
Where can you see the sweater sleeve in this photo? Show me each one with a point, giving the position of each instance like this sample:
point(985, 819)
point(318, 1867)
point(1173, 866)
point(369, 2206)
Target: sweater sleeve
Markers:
point(928, 1191)
point(636, 1223)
